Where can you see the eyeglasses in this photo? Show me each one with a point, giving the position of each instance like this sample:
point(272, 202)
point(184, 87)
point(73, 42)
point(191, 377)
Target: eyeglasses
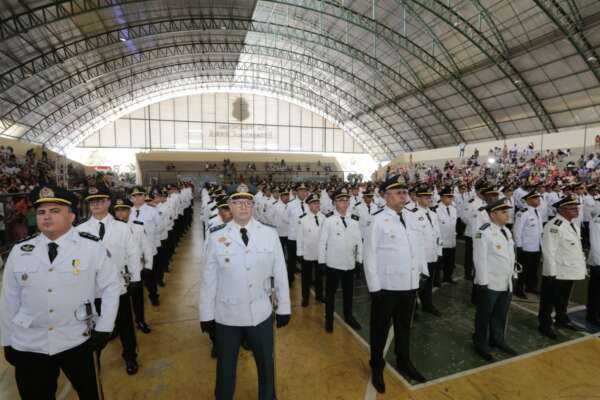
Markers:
point(242, 203)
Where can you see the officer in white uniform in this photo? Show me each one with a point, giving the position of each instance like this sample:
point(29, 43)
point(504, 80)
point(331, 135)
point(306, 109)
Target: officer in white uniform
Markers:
point(295, 208)
point(122, 209)
point(118, 239)
point(394, 264)
point(307, 237)
point(365, 210)
point(427, 224)
point(494, 259)
point(243, 267)
point(48, 289)
point(447, 218)
point(551, 197)
point(149, 216)
point(470, 217)
point(527, 233)
point(279, 219)
point(593, 260)
point(564, 263)
point(507, 193)
point(340, 248)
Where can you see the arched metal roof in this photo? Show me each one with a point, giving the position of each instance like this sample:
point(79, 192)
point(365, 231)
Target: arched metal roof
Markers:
point(398, 75)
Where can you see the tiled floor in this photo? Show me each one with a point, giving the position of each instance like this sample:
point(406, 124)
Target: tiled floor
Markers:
point(175, 358)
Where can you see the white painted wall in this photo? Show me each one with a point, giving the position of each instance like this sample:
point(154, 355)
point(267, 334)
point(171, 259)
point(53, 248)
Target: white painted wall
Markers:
point(571, 138)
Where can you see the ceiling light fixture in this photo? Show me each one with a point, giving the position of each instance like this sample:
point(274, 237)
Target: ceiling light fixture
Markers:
point(122, 39)
point(592, 59)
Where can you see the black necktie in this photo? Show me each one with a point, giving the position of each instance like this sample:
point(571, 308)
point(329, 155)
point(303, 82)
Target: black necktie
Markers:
point(504, 233)
point(317, 220)
point(344, 222)
point(536, 213)
point(52, 251)
point(244, 233)
point(401, 219)
point(573, 226)
point(369, 207)
point(448, 209)
point(137, 213)
point(302, 205)
point(102, 231)
point(429, 218)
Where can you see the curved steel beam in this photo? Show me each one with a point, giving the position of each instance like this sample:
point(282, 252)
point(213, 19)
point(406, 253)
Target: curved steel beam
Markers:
point(570, 26)
point(79, 47)
point(174, 85)
point(107, 89)
point(402, 42)
point(137, 59)
point(461, 25)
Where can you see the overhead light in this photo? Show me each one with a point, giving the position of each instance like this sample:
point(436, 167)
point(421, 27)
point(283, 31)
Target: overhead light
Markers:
point(223, 27)
point(517, 81)
point(122, 39)
point(491, 160)
point(592, 59)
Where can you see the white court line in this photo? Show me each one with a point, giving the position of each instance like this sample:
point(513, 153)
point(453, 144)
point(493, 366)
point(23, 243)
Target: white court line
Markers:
point(503, 362)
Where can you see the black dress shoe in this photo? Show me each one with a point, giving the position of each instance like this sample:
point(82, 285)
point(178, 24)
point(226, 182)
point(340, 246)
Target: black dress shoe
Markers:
point(485, 355)
point(155, 301)
point(320, 299)
point(304, 302)
point(213, 353)
point(570, 325)
point(161, 283)
point(408, 369)
point(142, 326)
point(533, 291)
point(451, 281)
point(433, 311)
point(132, 367)
point(506, 349)
point(548, 332)
point(377, 380)
point(353, 323)
point(329, 327)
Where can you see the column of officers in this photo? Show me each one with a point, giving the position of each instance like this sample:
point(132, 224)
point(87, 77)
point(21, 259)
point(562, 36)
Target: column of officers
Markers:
point(406, 238)
point(73, 286)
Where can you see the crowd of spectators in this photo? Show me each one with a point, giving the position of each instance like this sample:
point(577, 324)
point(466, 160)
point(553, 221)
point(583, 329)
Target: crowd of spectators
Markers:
point(506, 165)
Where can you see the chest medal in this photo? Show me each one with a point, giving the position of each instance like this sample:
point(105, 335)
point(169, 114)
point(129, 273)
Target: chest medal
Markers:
point(24, 276)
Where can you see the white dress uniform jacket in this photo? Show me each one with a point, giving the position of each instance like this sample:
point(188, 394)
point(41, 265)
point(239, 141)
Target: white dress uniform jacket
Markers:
point(235, 279)
point(594, 254)
point(447, 217)
point(471, 214)
point(42, 304)
point(119, 243)
point(151, 219)
point(294, 210)
point(144, 244)
point(307, 237)
point(494, 257)
point(365, 212)
point(279, 218)
point(528, 228)
point(563, 254)
point(340, 247)
point(394, 257)
point(427, 224)
point(551, 198)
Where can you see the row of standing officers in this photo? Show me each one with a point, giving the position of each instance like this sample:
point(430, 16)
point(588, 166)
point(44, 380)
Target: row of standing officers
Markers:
point(404, 246)
point(67, 290)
